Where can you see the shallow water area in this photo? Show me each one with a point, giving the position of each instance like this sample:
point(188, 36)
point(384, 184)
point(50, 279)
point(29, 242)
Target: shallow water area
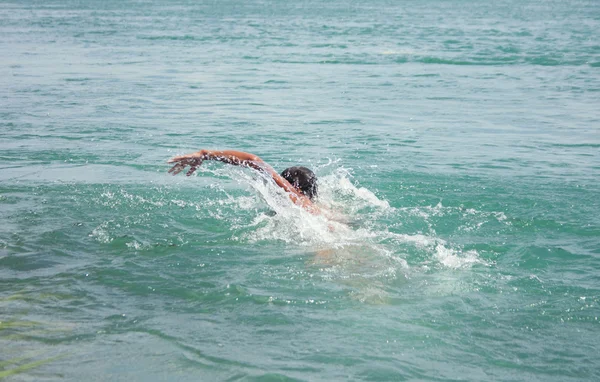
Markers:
point(456, 145)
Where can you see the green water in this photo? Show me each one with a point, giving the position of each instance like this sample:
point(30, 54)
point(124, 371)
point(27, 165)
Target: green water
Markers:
point(459, 141)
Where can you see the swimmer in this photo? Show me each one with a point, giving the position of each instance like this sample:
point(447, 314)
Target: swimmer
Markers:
point(299, 182)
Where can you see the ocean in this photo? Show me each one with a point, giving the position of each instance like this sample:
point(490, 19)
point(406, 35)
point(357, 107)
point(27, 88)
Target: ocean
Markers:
point(456, 142)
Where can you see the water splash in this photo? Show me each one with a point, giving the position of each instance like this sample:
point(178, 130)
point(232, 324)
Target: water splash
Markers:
point(360, 242)
point(350, 230)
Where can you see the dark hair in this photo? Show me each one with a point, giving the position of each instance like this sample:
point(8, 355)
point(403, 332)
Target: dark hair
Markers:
point(303, 179)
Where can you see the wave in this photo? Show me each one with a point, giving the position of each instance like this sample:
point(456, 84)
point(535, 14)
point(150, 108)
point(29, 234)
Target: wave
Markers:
point(173, 38)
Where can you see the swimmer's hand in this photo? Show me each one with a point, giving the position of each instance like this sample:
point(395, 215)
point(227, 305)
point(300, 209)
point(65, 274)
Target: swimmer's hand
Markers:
point(193, 160)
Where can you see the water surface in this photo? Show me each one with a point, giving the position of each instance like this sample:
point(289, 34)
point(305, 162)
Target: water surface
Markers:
point(458, 139)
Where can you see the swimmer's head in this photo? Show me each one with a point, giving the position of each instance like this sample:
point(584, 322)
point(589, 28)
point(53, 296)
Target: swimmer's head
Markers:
point(303, 179)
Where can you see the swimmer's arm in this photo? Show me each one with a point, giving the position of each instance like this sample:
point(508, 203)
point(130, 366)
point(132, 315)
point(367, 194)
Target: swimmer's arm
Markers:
point(194, 160)
point(240, 158)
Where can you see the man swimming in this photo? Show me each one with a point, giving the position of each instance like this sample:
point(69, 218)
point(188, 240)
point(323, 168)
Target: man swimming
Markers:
point(299, 182)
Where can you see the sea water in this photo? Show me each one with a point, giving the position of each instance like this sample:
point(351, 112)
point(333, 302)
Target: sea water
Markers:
point(457, 147)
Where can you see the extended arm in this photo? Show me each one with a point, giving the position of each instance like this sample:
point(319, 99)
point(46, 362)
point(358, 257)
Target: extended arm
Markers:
point(194, 160)
point(240, 158)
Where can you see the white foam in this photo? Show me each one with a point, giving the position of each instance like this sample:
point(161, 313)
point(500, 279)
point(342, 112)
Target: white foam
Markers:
point(272, 216)
point(452, 258)
point(336, 190)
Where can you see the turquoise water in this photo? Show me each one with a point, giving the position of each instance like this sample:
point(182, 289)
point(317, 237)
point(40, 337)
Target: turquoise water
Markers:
point(458, 140)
